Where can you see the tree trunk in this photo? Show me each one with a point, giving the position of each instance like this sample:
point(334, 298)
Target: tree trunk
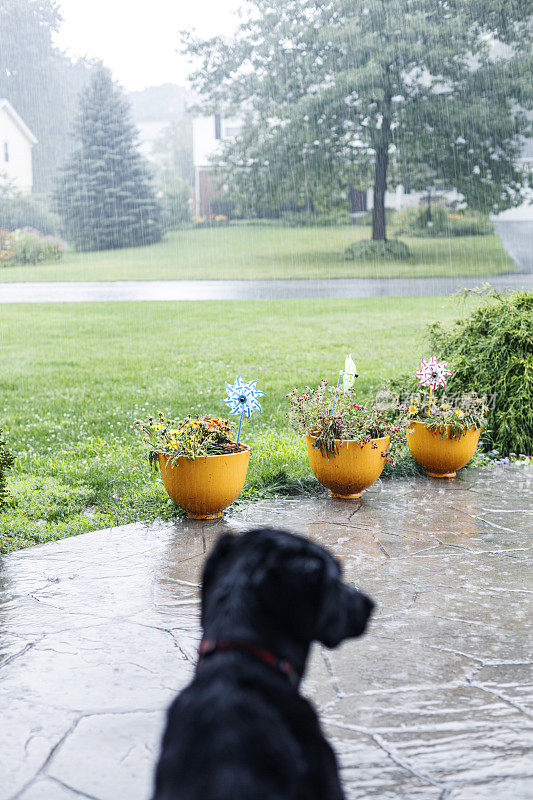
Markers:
point(429, 217)
point(380, 186)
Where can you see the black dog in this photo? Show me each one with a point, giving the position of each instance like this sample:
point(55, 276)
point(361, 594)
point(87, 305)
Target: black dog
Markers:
point(241, 730)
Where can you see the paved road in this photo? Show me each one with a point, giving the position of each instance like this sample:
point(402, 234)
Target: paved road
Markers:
point(249, 290)
point(517, 238)
point(99, 631)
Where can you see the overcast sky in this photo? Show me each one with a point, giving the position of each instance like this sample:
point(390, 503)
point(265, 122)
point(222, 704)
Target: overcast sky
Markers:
point(137, 39)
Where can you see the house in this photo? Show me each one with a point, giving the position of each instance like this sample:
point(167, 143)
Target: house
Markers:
point(16, 143)
point(155, 108)
point(208, 134)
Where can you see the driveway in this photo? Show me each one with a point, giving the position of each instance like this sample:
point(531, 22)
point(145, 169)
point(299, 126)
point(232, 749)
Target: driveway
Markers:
point(517, 238)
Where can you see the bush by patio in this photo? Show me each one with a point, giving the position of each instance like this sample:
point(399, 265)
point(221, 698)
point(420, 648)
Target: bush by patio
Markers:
point(491, 352)
point(377, 250)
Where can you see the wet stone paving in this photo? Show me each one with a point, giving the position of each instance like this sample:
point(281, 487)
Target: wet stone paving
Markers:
point(99, 632)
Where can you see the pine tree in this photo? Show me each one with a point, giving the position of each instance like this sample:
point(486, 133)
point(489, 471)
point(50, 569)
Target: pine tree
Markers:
point(105, 197)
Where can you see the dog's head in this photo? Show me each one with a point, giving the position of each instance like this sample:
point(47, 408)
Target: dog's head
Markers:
point(284, 583)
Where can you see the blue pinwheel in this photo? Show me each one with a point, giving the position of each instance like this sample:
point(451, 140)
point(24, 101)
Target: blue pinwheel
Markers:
point(242, 399)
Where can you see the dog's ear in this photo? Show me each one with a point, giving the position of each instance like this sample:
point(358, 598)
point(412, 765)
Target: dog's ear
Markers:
point(344, 613)
point(223, 547)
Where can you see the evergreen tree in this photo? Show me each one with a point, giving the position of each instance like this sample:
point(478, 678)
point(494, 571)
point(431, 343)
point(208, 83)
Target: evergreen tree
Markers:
point(105, 197)
point(353, 92)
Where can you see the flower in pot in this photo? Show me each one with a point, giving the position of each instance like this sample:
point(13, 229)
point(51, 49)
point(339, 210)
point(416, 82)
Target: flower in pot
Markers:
point(443, 434)
point(203, 469)
point(347, 441)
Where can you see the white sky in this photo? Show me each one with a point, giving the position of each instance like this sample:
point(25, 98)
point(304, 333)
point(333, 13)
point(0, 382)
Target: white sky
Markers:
point(138, 39)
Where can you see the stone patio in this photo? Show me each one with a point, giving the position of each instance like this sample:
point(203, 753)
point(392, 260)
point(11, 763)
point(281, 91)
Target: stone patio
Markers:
point(100, 631)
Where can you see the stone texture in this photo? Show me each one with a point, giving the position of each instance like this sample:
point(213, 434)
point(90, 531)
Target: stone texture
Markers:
point(100, 631)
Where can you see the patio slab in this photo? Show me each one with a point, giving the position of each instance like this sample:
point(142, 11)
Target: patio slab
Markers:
point(98, 632)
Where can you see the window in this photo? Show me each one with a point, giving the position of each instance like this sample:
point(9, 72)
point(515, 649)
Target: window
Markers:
point(218, 126)
point(232, 131)
point(6, 152)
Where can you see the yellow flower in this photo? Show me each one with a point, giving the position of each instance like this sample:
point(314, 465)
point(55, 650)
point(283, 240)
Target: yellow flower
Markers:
point(459, 413)
point(413, 410)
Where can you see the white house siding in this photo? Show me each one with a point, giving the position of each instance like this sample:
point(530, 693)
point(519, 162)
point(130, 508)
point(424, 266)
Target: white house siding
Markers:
point(208, 133)
point(15, 148)
point(399, 198)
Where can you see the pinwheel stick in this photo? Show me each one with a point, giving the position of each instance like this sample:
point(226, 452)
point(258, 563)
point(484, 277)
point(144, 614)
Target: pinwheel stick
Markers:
point(240, 426)
point(341, 373)
point(429, 401)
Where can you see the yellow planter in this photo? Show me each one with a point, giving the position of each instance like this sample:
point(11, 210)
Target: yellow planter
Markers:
point(352, 469)
point(204, 487)
point(439, 454)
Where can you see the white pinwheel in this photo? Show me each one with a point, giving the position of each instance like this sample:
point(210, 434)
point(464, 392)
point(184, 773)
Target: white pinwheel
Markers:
point(433, 374)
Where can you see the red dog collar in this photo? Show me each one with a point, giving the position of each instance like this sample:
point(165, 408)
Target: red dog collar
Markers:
point(210, 646)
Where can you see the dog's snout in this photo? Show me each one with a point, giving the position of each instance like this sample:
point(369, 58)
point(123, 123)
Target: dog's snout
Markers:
point(368, 604)
point(359, 611)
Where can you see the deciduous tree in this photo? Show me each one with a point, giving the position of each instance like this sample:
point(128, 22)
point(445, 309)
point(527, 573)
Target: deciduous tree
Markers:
point(356, 92)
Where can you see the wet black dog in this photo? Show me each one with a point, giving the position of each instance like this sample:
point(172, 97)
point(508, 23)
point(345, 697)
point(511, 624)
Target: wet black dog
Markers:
point(241, 730)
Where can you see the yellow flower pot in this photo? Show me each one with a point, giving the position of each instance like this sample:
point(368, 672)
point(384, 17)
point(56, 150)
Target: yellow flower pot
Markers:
point(352, 469)
point(440, 454)
point(204, 487)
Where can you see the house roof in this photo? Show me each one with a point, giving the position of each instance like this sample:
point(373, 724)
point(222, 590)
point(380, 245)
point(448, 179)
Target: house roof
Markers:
point(19, 122)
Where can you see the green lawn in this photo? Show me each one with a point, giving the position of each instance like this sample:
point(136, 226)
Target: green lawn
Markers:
point(268, 251)
point(74, 377)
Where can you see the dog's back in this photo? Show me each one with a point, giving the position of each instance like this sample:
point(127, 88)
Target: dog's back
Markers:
point(241, 730)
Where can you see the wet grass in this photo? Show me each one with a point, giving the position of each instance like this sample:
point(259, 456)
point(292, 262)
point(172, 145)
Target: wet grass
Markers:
point(269, 251)
point(74, 377)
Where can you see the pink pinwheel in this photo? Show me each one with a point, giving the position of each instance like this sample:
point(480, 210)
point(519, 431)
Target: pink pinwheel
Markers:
point(432, 373)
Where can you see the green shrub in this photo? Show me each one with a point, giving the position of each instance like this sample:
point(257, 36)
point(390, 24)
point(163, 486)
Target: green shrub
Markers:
point(176, 209)
point(370, 250)
point(223, 205)
point(440, 221)
point(7, 460)
point(22, 212)
point(491, 353)
point(308, 219)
